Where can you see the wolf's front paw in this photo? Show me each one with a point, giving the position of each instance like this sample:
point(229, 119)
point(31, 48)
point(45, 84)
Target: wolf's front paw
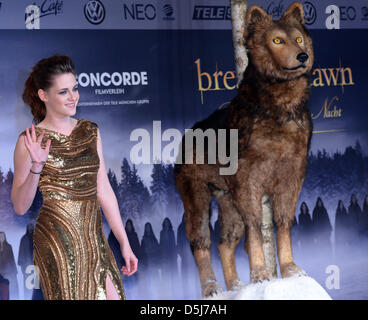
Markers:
point(291, 269)
point(235, 284)
point(259, 274)
point(211, 288)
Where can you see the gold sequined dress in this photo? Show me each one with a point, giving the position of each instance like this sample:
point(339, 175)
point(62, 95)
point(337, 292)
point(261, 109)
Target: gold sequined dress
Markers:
point(70, 249)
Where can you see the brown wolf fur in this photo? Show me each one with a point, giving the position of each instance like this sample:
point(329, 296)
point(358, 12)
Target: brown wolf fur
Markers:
point(274, 127)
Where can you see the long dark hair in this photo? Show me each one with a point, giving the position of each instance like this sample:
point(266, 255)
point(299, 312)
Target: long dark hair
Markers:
point(41, 77)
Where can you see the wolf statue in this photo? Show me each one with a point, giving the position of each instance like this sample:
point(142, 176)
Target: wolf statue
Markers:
point(274, 127)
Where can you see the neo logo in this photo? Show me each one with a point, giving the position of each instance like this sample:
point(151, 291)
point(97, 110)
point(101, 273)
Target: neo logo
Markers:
point(141, 12)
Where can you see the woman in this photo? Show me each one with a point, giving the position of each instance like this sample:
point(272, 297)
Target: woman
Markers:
point(168, 258)
point(341, 228)
point(150, 250)
point(8, 268)
point(305, 228)
point(25, 257)
point(168, 248)
point(63, 155)
point(354, 213)
point(363, 220)
point(321, 224)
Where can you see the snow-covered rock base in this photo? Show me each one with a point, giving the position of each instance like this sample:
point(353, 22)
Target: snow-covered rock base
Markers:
point(293, 288)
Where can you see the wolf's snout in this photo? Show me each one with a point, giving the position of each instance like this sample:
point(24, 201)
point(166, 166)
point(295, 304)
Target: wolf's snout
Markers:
point(302, 57)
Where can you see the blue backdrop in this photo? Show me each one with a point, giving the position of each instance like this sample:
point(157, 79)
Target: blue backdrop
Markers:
point(166, 52)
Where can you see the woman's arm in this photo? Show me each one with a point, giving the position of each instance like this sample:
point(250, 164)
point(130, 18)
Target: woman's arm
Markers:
point(109, 205)
point(25, 182)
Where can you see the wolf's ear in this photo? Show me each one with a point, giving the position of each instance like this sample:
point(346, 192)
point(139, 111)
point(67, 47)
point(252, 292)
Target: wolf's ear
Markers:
point(254, 15)
point(295, 11)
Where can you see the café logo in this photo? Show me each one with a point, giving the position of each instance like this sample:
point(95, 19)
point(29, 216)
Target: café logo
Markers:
point(34, 12)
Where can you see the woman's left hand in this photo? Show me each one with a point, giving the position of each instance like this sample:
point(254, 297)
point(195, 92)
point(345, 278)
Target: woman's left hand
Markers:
point(131, 262)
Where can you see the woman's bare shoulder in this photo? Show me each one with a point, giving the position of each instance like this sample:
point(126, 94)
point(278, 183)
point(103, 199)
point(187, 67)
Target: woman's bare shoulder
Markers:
point(23, 133)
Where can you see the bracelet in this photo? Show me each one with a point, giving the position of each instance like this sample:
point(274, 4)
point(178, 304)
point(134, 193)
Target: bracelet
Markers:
point(35, 172)
point(43, 162)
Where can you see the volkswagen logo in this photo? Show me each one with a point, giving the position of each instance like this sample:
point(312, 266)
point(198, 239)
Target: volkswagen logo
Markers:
point(94, 11)
point(310, 13)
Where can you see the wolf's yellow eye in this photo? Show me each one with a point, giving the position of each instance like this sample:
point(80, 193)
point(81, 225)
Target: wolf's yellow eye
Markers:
point(277, 40)
point(299, 39)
